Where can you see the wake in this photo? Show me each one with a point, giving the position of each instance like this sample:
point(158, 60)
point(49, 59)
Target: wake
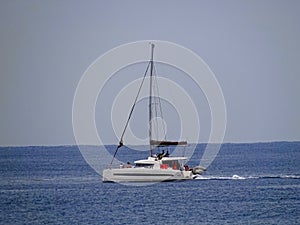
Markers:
point(237, 177)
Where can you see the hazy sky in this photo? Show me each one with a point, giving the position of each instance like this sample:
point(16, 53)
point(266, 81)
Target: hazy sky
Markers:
point(252, 47)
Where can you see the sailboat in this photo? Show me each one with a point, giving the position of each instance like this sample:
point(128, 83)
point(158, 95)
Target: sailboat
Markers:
point(159, 166)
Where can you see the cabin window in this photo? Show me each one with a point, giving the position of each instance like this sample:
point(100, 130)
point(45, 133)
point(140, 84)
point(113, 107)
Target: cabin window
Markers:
point(144, 165)
point(174, 164)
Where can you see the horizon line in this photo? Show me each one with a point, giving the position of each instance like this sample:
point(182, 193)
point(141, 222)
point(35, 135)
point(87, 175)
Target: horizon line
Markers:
point(229, 142)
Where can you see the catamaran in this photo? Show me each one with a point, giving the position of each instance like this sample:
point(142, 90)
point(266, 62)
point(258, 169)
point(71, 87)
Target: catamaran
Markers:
point(158, 166)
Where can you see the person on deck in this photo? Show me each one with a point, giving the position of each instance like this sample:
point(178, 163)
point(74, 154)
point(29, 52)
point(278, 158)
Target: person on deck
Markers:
point(161, 155)
point(186, 167)
point(167, 154)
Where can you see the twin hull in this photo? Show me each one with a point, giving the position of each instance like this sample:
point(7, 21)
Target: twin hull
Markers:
point(145, 175)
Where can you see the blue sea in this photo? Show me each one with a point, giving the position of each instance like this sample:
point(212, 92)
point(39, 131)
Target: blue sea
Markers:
point(255, 183)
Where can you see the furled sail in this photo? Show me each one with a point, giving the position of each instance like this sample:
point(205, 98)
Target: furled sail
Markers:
point(167, 143)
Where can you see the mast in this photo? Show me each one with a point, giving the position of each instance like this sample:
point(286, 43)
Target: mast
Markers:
point(150, 99)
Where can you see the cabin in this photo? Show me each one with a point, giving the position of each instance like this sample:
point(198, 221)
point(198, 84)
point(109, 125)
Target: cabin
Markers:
point(174, 163)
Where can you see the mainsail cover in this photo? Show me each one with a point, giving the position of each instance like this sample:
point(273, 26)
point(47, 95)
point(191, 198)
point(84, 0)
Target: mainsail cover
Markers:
point(167, 143)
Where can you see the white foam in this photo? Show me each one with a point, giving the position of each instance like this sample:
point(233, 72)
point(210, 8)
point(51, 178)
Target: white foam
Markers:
point(237, 177)
point(290, 176)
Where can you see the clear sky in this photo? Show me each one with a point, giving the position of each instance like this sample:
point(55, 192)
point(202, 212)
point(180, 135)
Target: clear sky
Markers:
point(252, 47)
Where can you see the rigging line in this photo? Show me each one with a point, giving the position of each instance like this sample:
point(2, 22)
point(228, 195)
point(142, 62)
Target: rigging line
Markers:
point(158, 111)
point(161, 112)
point(131, 111)
point(155, 106)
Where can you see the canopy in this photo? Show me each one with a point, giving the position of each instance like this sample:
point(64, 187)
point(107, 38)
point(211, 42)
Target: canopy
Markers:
point(167, 143)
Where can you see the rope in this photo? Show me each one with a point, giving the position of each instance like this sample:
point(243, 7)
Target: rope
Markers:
point(130, 114)
point(159, 103)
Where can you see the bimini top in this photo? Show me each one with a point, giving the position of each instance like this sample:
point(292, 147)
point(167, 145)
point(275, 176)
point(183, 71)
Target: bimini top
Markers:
point(167, 143)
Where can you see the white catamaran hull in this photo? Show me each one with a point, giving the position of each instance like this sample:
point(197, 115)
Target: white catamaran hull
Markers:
point(145, 175)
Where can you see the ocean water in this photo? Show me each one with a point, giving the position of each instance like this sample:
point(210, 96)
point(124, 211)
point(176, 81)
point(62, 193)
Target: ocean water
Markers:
point(246, 184)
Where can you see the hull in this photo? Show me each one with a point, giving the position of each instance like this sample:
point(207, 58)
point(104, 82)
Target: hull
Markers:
point(145, 175)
